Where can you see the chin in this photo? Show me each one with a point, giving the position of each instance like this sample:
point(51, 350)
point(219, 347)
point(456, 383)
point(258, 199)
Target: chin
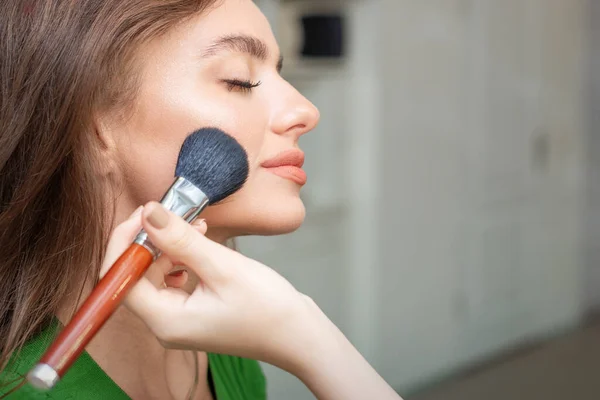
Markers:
point(282, 221)
point(271, 218)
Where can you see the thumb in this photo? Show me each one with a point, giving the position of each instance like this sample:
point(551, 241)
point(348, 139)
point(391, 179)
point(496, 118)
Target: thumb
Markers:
point(184, 244)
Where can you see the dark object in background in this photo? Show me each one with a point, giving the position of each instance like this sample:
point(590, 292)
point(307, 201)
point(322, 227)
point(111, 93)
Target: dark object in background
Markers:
point(323, 36)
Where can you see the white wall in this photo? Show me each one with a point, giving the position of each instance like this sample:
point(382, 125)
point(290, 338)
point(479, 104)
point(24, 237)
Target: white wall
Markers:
point(592, 276)
point(480, 220)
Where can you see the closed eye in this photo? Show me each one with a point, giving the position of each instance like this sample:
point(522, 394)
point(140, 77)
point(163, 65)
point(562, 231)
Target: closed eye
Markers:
point(240, 85)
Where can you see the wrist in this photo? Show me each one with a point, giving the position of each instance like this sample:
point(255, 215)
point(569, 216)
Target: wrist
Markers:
point(315, 343)
point(318, 353)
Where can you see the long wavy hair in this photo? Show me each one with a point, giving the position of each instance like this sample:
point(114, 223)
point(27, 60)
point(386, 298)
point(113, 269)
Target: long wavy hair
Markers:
point(61, 63)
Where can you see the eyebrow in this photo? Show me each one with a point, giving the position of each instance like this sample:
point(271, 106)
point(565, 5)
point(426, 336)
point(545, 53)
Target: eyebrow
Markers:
point(242, 44)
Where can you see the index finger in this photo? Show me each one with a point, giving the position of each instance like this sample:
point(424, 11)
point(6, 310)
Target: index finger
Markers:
point(184, 244)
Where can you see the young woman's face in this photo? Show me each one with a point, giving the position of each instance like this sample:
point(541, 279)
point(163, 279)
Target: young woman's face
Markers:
point(220, 69)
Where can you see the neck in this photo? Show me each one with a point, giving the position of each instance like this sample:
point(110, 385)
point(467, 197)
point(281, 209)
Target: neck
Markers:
point(219, 236)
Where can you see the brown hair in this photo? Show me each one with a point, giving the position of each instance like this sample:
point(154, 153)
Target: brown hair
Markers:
point(61, 62)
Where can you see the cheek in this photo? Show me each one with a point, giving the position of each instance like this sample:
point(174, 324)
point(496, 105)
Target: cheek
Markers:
point(148, 170)
point(163, 119)
point(175, 113)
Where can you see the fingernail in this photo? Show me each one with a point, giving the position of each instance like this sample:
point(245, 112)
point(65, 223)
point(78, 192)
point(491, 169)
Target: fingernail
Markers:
point(202, 225)
point(158, 218)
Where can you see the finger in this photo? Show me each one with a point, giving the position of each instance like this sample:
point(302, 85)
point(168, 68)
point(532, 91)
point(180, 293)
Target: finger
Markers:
point(144, 299)
point(200, 226)
point(153, 305)
point(157, 271)
point(184, 244)
point(121, 239)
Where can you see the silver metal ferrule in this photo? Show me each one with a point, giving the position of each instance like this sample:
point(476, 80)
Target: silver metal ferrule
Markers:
point(43, 377)
point(185, 200)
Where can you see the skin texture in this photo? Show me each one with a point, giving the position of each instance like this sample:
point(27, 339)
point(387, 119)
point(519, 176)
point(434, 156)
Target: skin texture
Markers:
point(181, 89)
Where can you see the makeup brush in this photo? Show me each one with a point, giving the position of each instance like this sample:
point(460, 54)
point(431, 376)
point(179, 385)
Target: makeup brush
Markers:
point(211, 166)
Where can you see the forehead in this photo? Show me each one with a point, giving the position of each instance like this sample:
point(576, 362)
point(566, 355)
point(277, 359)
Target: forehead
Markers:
point(232, 17)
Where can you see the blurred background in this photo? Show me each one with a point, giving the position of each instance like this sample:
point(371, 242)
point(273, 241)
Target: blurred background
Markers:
point(453, 227)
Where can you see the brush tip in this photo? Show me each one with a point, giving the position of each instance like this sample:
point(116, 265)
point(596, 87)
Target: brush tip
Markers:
point(214, 162)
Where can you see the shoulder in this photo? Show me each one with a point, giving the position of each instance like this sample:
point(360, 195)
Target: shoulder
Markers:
point(85, 379)
point(9, 386)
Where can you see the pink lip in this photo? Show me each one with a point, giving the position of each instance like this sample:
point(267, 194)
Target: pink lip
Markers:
point(288, 165)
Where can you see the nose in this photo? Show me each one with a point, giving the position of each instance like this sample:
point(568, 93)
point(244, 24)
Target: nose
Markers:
point(295, 115)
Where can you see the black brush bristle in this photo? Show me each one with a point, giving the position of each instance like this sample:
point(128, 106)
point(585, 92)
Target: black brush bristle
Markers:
point(214, 162)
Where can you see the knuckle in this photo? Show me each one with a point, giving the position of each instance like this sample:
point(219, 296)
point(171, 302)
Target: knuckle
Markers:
point(309, 300)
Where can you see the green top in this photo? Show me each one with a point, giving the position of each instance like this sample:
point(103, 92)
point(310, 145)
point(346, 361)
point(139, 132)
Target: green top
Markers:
point(234, 378)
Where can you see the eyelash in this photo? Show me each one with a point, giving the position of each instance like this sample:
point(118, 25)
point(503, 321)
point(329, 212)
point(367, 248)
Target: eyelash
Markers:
point(240, 85)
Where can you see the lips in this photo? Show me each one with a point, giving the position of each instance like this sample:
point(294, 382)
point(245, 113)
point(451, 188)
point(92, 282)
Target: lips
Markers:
point(288, 165)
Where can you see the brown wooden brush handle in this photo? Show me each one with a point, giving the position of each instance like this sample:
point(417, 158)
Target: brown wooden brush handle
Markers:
point(98, 307)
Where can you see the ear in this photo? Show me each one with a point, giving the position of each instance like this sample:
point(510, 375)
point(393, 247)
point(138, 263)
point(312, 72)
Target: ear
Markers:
point(106, 147)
